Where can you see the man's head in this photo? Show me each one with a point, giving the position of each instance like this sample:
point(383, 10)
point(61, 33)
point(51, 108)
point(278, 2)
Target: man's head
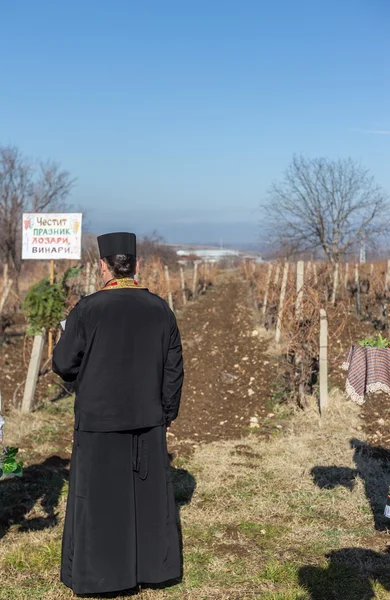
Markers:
point(118, 255)
point(118, 266)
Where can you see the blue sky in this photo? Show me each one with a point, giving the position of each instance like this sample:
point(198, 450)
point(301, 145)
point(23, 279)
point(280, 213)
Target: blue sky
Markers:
point(176, 115)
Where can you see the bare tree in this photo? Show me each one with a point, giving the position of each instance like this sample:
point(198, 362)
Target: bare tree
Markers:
point(153, 245)
point(328, 205)
point(24, 188)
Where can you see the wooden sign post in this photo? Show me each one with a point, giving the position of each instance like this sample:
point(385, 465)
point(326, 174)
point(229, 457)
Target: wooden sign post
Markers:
point(50, 344)
point(51, 236)
point(33, 373)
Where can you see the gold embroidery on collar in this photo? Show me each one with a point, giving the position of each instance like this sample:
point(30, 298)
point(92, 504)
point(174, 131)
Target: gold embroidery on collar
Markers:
point(123, 283)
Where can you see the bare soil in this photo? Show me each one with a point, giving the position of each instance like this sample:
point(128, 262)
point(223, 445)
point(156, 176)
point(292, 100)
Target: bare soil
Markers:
point(229, 371)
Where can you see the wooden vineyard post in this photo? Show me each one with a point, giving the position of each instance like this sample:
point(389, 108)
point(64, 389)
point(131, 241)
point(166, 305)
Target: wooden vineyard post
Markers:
point(281, 303)
point(95, 284)
point(387, 280)
point(277, 274)
point(357, 288)
point(346, 275)
point(253, 267)
point(168, 280)
point(371, 269)
point(300, 282)
point(183, 286)
point(137, 276)
point(87, 277)
point(195, 280)
point(323, 360)
point(5, 275)
point(315, 274)
point(204, 287)
point(50, 348)
point(32, 373)
point(335, 282)
point(4, 296)
point(265, 300)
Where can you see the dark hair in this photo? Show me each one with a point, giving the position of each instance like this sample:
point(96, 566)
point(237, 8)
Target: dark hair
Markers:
point(121, 265)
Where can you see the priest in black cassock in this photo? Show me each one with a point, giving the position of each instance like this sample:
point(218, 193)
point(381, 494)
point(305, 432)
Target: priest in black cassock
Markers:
point(122, 347)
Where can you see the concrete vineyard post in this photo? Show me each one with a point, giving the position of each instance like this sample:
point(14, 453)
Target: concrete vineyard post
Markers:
point(281, 303)
point(183, 286)
point(371, 269)
point(32, 374)
point(323, 360)
point(265, 300)
point(195, 280)
point(335, 282)
point(300, 282)
point(168, 280)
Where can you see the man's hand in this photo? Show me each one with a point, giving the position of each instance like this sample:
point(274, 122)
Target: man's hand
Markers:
point(168, 425)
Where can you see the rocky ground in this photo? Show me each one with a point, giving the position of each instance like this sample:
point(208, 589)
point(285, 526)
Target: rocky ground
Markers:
point(276, 503)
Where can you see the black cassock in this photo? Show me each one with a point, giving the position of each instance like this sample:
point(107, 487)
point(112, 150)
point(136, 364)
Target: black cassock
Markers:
point(122, 348)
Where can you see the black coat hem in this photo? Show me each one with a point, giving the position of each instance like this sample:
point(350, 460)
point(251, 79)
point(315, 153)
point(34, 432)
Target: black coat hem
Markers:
point(121, 587)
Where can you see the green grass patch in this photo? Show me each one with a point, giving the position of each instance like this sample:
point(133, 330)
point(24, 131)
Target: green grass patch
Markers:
point(196, 565)
point(31, 589)
point(279, 572)
point(65, 406)
point(259, 531)
point(32, 557)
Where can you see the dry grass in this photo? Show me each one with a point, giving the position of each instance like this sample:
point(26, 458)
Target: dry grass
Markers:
point(262, 520)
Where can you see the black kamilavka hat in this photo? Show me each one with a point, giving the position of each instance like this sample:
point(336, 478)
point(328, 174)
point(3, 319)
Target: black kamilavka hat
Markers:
point(117, 243)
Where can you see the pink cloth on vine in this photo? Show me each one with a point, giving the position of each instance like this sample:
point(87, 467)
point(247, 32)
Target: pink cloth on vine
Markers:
point(368, 371)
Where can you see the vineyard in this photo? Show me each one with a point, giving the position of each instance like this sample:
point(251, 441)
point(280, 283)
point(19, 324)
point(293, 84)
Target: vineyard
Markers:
point(276, 502)
point(289, 299)
point(18, 325)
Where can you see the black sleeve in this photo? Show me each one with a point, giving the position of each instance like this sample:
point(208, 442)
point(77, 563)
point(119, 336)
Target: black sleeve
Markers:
point(173, 373)
point(69, 351)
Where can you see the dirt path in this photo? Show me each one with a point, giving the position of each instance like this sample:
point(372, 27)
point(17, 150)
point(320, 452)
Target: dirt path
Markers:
point(229, 372)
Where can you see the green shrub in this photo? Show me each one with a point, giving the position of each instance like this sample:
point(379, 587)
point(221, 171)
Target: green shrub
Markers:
point(45, 303)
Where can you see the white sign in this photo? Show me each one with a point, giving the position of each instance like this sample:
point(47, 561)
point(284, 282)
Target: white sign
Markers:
point(52, 235)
